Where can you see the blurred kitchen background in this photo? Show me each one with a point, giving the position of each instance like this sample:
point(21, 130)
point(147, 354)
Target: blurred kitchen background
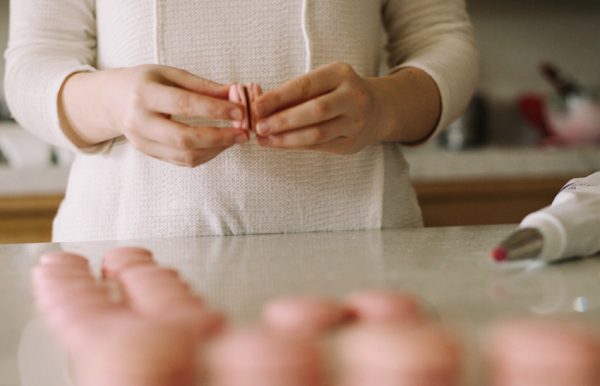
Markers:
point(498, 162)
point(3, 38)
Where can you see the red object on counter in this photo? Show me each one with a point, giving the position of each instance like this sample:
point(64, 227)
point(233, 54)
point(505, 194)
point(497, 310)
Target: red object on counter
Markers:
point(532, 106)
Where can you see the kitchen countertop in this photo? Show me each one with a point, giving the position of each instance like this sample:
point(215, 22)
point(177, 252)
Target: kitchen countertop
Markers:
point(448, 267)
point(430, 163)
point(33, 181)
point(427, 163)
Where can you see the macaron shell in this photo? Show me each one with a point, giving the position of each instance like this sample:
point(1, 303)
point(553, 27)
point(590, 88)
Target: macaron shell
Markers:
point(389, 355)
point(148, 271)
point(304, 315)
point(74, 326)
point(255, 357)
point(155, 304)
point(63, 258)
point(254, 91)
point(542, 352)
point(151, 290)
point(60, 270)
point(385, 306)
point(202, 323)
point(127, 252)
point(132, 351)
point(115, 261)
point(42, 283)
point(46, 277)
point(72, 297)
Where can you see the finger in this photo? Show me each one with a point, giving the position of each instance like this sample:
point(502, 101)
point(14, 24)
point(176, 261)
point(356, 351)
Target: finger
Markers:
point(181, 136)
point(191, 82)
point(175, 101)
point(187, 158)
point(255, 91)
point(297, 90)
point(308, 136)
point(235, 97)
point(311, 112)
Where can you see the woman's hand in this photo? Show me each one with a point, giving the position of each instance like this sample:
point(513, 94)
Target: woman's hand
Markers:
point(333, 109)
point(138, 103)
point(330, 109)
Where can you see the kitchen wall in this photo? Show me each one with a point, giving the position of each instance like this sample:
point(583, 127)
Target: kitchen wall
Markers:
point(515, 35)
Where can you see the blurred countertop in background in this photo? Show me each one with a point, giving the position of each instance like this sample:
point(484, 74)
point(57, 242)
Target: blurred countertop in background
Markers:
point(34, 168)
point(430, 163)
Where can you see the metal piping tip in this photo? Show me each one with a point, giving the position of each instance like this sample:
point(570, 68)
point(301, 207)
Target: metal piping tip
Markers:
point(524, 243)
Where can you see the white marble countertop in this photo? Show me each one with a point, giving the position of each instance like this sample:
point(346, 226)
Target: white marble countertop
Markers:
point(448, 267)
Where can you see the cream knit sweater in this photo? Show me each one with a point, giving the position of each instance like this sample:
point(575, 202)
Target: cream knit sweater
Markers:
point(115, 192)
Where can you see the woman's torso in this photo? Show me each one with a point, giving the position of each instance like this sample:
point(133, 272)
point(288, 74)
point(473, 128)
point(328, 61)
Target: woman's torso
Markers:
point(123, 194)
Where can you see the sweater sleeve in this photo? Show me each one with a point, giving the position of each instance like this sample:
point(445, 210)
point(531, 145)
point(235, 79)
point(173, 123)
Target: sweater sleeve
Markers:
point(48, 41)
point(437, 37)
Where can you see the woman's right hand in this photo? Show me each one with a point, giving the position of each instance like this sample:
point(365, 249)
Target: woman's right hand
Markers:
point(138, 103)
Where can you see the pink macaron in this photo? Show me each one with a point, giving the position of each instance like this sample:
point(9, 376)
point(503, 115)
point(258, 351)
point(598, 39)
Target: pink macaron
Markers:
point(304, 315)
point(256, 357)
point(201, 322)
point(153, 298)
point(391, 355)
point(536, 352)
point(380, 305)
point(117, 260)
point(126, 350)
point(63, 258)
point(44, 277)
point(70, 295)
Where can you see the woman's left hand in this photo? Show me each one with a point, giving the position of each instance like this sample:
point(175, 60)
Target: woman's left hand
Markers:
point(330, 109)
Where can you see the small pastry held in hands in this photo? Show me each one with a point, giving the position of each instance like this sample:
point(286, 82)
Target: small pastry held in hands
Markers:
point(245, 95)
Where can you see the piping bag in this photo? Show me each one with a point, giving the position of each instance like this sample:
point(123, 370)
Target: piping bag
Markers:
point(569, 227)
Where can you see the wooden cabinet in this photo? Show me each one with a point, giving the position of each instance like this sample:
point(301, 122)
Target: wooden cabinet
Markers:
point(480, 202)
point(460, 202)
point(27, 219)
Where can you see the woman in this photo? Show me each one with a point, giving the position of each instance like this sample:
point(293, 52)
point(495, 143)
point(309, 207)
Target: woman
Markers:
point(135, 87)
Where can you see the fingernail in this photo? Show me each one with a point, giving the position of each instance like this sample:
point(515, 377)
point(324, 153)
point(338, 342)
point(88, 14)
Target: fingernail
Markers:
point(263, 141)
point(236, 115)
point(242, 138)
point(263, 128)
